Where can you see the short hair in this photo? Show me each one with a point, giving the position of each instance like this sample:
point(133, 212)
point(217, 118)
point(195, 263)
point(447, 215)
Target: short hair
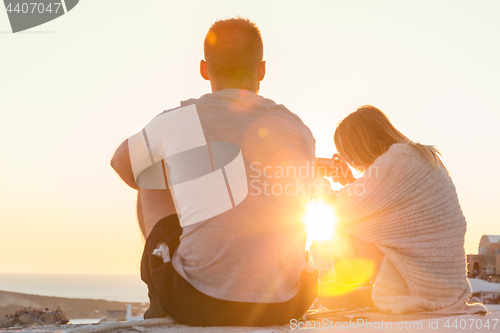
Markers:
point(233, 48)
point(367, 133)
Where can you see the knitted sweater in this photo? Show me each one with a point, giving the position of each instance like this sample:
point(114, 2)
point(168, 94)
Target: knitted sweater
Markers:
point(410, 211)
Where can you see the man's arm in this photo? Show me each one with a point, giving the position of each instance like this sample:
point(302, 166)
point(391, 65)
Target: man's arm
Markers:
point(152, 205)
point(120, 162)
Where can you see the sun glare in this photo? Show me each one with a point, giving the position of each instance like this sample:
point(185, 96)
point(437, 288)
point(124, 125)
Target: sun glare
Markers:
point(320, 221)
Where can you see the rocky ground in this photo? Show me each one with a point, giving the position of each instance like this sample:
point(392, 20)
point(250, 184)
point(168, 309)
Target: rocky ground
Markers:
point(418, 323)
point(86, 308)
point(72, 308)
point(27, 319)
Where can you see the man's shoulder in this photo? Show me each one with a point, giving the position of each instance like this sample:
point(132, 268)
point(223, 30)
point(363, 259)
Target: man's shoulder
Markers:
point(247, 98)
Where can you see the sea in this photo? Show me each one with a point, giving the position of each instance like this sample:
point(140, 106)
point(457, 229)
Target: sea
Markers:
point(122, 288)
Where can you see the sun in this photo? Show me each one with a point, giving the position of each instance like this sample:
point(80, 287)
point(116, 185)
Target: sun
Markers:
point(320, 221)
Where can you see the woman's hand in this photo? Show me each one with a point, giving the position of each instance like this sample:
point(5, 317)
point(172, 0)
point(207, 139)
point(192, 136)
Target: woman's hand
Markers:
point(343, 172)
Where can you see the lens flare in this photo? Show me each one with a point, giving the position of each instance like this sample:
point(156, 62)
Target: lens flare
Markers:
point(320, 221)
point(211, 38)
point(263, 132)
point(350, 275)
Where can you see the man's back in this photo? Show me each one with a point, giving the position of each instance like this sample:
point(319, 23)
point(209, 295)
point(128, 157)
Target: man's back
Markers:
point(253, 252)
point(238, 168)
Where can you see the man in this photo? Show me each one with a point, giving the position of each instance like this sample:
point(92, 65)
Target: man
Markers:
point(222, 184)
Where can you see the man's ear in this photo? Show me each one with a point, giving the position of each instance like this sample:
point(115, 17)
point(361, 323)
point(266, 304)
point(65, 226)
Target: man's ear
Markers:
point(204, 70)
point(262, 70)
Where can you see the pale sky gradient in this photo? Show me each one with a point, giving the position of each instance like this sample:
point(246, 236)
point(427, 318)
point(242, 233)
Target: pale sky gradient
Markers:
point(73, 88)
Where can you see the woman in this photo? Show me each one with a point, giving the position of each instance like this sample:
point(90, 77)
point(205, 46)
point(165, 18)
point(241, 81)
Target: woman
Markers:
point(405, 203)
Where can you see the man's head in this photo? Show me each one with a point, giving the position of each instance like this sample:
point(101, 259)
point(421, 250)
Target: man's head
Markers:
point(233, 55)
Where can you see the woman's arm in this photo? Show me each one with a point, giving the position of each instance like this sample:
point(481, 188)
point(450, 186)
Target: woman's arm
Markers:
point(336, 168)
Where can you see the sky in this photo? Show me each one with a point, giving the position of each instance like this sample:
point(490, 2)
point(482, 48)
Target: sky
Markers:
point(72, 89)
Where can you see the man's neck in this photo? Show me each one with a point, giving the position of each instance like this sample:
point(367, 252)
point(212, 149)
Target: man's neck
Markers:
point(245, 85)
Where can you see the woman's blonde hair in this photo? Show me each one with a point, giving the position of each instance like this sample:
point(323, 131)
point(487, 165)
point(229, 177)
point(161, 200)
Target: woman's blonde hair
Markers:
point(367, 133)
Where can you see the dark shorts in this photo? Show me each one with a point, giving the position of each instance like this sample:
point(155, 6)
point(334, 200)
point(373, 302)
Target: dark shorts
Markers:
point(170, 294)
